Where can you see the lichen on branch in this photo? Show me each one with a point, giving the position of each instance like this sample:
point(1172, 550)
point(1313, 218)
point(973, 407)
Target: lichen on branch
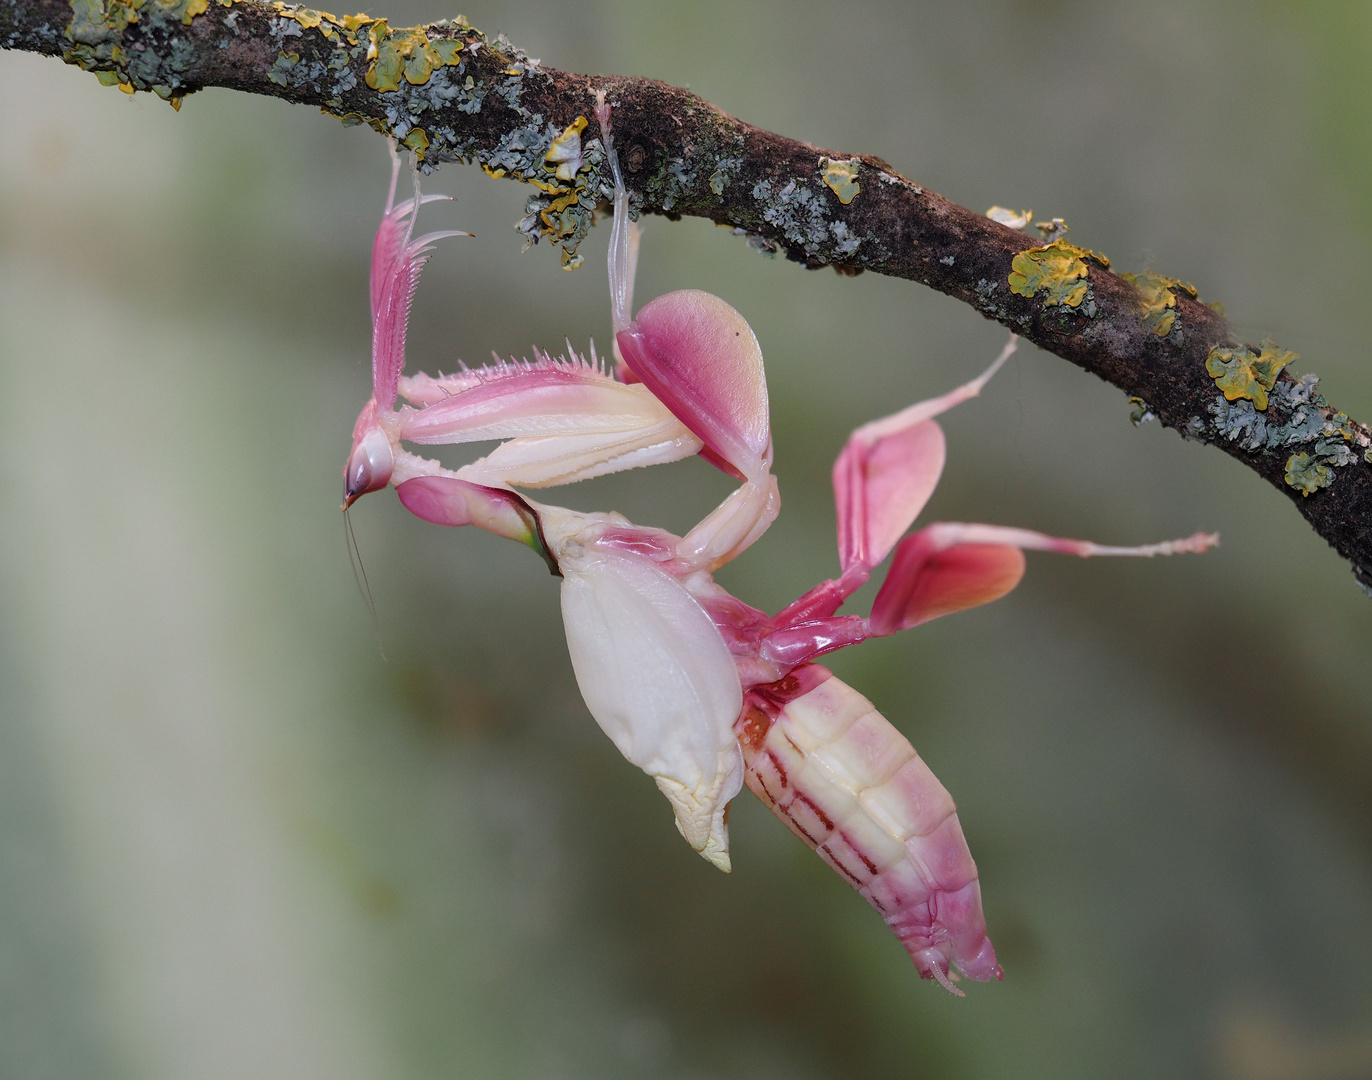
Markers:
point(448, 92)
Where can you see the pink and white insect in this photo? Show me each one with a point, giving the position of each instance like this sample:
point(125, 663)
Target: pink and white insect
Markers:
point(700, 690)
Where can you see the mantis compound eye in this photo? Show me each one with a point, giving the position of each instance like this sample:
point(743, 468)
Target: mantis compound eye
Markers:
point(369, 468)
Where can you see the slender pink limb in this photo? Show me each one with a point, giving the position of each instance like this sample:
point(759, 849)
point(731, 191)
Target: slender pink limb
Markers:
point(950, 566)
point(624, 237)
point(623, 246)
point(927, 410)
point(889, 468)
point(946, 534)
point(446, 500)
point(543, 398)
point(421, 388)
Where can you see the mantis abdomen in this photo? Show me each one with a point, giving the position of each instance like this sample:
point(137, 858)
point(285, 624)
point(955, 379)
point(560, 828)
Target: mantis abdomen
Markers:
point(850, 785)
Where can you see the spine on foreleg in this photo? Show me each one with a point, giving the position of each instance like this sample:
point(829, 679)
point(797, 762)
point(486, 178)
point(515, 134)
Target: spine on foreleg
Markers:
point(850, 785)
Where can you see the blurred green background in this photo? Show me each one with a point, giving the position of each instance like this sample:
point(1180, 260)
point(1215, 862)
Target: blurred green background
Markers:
point(237, 841)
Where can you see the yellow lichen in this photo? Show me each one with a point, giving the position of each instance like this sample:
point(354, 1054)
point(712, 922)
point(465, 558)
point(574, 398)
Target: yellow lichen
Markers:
point(306, 17)
point(554, 208)
point(1157, 302)
point(1057, 269)
point(351, 119)
point(186, 9)
point(1307, 474)
point(1141, 412)
point(450, 50)
point(392, 55)
point(1340, 425)
point(416, 141)
point(841, 178)
point(1014, 219)
point(1238, 373)
point(407, 54)
point(563, 158)
point(93, 21)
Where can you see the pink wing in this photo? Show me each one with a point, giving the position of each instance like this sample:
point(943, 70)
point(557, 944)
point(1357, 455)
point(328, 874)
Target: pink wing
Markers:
point(701, 359)
point(880, 486)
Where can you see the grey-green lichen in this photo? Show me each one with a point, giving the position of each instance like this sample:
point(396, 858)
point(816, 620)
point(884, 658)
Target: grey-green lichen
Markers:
point(725, 169)
point(987, 300)
point(803, 218)
point(671, 183)
point(280, 69)
point(1141, 412)
point(1296, 418)
point(566, 173)
point(96, 37)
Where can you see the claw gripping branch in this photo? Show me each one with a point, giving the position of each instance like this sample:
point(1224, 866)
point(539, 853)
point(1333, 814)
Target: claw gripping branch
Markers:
point(447, 92)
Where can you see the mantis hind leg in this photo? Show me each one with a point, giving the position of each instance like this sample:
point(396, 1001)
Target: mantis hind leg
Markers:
point(926, 410)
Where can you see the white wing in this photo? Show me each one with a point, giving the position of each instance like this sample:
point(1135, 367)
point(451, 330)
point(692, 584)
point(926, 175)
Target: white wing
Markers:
point(660, 682)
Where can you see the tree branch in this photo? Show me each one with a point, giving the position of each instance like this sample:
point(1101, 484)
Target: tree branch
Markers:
point(448, 93)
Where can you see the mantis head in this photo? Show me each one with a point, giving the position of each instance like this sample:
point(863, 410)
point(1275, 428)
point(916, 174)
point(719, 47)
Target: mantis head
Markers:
point(372, 460)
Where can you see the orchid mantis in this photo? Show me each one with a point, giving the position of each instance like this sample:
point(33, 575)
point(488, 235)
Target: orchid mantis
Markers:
point(700, 690)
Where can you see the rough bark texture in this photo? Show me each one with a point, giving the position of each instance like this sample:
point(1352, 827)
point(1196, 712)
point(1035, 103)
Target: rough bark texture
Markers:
point(448, 93)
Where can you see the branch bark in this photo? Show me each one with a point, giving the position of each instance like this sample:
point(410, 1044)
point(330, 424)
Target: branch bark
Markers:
point(448, 93)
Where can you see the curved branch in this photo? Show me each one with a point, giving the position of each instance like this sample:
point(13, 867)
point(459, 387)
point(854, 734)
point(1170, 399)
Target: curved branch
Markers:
point(449, 93)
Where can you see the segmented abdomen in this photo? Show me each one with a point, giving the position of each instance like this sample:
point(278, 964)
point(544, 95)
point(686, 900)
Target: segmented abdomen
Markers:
point(852, 787)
